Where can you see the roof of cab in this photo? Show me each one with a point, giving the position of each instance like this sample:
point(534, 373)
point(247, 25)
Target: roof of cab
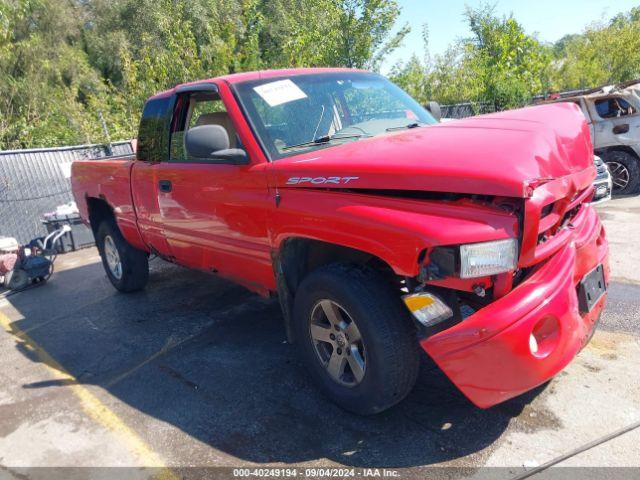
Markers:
point(257, 75)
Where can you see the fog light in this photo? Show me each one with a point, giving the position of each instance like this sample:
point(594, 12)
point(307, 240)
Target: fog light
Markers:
point(544, 337)
point(427, 308)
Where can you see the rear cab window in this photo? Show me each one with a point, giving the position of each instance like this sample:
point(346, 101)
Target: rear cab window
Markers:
point(153, 135)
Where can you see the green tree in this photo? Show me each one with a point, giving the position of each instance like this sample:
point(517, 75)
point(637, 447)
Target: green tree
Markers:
point(498, 63)
point(349, 33)
point(604, 53)
point(45, 77)
point(510, 66)
point(363, 32)
point(413, 76)
point(113, 54)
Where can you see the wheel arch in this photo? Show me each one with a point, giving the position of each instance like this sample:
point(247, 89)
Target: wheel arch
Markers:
point(632, 182)
point(98, 210)
point(619, 148)
point(298, 256)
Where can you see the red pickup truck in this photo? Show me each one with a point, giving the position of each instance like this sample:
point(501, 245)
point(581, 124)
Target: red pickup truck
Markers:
point(381, 231)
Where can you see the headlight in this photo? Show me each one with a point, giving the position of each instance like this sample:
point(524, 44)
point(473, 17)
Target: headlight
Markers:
point(488, 258)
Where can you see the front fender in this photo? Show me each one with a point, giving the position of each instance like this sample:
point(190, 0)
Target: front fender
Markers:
point(396, 230)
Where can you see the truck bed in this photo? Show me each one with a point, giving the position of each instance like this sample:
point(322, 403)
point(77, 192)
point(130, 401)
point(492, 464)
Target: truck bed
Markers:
point(107, 178)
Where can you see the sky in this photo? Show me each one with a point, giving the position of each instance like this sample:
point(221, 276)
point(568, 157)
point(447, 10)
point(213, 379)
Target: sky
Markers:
point(550, 19)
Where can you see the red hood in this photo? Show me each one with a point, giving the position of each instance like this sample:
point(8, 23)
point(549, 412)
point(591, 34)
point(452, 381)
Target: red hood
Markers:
point(500, 154)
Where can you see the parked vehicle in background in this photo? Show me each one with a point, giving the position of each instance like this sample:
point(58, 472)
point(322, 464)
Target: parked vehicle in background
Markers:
point(381, 231)
point(603, 184)
point(613, 115)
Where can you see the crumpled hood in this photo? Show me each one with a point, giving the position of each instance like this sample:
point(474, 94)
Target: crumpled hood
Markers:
point(500, 154)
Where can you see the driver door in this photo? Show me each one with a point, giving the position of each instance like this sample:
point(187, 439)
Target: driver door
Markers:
point(213, 212)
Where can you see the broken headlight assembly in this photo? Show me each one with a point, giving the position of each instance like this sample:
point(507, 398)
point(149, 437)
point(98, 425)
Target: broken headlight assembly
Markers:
point(472, 260)
point(488, 258)
point(467, 261)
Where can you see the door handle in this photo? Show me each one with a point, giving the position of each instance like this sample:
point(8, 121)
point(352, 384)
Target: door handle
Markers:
point(165, 185)
point(618, 129)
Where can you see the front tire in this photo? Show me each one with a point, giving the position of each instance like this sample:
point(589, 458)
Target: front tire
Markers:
point(356, 338)
point(625, 171)
point(127, 267)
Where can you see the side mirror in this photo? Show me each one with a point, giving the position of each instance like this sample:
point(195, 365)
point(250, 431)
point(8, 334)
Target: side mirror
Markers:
point(235, 156)
point(434, 110)
point(211, 142)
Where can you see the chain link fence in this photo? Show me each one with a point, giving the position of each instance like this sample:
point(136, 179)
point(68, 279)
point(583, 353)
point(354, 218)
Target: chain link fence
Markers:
point(34, 182)
point(466, 109)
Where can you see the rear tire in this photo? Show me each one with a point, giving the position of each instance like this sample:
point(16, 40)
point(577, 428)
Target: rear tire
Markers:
point(384, 364)
point(625, 171)
point(127, 267)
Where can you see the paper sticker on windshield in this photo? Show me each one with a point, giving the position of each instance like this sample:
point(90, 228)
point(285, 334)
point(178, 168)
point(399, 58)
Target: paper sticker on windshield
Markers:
point(282, 91)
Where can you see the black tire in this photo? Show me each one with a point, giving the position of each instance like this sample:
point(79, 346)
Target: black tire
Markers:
point(17, 279)
point(391, 351)
point(134, 269)
point(625, 171)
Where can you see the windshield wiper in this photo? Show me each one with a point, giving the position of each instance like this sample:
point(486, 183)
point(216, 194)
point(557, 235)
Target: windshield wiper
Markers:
point(326, 139)
point(407, 127)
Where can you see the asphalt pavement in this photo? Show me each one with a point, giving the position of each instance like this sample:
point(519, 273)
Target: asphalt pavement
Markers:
point(195, 372)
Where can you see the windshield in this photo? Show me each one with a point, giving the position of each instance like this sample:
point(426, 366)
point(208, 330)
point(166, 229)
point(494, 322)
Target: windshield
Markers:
point(300, 113)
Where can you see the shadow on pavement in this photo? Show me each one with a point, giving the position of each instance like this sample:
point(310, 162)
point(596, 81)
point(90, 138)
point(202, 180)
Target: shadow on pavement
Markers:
point(209, 358)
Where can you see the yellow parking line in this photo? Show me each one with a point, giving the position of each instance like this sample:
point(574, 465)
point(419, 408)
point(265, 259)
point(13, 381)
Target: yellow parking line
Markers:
point(92, 406)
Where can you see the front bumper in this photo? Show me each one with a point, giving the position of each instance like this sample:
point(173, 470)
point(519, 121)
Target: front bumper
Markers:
point(488, 355)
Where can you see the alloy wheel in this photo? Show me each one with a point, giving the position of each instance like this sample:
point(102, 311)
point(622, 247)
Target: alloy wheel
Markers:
point(338, 343)
point(112, 257)
point(619, 175)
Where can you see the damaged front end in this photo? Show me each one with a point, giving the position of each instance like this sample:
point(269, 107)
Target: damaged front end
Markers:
point(469, 276)
point(502, 317)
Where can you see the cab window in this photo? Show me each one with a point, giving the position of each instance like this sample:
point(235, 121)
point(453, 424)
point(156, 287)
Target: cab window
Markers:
point(614, 107)
point(193, 110)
